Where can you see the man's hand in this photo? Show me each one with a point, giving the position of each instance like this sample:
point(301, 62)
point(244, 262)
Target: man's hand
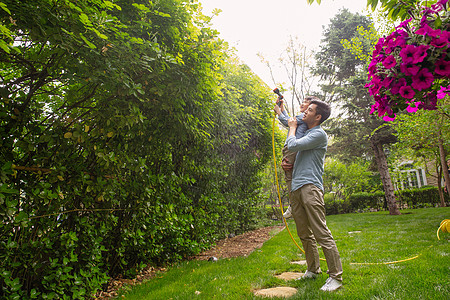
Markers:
point(292, 123)
point(286, 166)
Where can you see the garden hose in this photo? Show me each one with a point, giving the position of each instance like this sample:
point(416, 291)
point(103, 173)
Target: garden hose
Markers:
point(444, 227)
point(387, 263)
point(278, 187)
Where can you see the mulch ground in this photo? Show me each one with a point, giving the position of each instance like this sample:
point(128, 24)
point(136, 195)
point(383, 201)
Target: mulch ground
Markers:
point(240, 245)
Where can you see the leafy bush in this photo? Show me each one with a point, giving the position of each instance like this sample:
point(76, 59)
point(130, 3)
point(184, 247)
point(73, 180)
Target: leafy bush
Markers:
point(358, 202)
point(127, 138)
point(421, 197)
point(366, 201)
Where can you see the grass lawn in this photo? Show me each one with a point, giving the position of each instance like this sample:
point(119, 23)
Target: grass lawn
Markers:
point(382, 238)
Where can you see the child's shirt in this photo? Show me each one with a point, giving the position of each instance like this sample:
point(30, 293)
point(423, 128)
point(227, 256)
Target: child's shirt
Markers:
point(301, 126)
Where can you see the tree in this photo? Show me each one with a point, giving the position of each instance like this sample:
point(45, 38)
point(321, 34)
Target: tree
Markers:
point(334, 64)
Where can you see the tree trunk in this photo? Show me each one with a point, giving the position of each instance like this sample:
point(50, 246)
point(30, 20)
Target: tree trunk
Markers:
point(385, 177)
point(439, 176)
point(444, 166)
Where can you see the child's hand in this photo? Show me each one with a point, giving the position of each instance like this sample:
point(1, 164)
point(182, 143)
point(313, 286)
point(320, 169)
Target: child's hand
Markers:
point(279, 101)
point(277, 110)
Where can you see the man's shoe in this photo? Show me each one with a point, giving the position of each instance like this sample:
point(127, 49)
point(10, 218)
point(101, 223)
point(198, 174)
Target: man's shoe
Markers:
point(308, 275)
point(287, 213)
point(331, 285)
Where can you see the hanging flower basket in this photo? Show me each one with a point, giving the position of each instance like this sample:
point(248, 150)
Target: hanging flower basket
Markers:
point(410, 68)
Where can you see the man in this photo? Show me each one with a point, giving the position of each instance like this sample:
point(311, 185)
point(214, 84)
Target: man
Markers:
point(308, 208)
point(288, 160)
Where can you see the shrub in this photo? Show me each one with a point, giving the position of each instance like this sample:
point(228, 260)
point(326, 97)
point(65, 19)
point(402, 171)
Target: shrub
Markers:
point(421, 197)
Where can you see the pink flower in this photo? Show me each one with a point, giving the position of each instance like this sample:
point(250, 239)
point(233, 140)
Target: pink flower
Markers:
point(389, 118)
point(440, 42)
point(389, 62)
point(387, 82)
point(443, 68)
point(374, 85)
point(439, 6)
point(443, 92)
point(422, 80)
point(374, 107)
point(430, 102)
point(407, 53)
point(407, 92)
point(409, 69)
point(382, 104)
point(396, 87)
point(372, 68)
point(413, 107)
point(404, 24)
point(425, 29)
point(420, 54)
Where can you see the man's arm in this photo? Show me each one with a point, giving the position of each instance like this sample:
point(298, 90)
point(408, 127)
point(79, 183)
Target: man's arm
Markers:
point(313, 140)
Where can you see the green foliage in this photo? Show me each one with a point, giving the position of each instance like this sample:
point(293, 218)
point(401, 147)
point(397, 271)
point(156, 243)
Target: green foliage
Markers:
point(345, 179)
point(422, 131)
point(364, 201)
point(424, 197)
point(335, 64)
point(362, 44)
point(344, 83)
point(125, 135)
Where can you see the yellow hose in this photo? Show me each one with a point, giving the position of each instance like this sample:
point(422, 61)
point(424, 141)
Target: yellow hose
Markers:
point(445, 227)
point(387, 263)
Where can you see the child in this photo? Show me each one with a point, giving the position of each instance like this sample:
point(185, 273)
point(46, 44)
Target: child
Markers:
point(287, 163)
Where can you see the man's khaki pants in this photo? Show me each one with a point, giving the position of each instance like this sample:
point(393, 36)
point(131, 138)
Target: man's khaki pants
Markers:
point(308, 210)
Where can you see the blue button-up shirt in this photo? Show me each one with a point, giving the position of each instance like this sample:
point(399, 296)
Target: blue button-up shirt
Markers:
point(309, 162)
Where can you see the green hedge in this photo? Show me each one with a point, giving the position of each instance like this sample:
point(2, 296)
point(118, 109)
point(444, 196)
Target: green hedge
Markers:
point(127, 139)
point(361, 202)
point(424, 197)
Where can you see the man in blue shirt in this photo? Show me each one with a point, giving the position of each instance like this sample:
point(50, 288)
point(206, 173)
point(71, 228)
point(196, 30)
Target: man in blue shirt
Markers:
point(308, 207)
point(288, 160)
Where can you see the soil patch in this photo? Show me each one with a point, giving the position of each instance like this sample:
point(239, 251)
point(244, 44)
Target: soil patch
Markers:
point(240, 245)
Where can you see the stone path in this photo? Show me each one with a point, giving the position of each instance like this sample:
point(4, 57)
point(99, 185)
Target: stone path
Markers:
point(282, 291)
point(277, 292)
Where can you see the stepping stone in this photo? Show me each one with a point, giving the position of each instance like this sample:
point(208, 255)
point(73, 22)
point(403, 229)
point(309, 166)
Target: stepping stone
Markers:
point(289, 275)
point(299, 262)
point(357, 231)
point(277, 292)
